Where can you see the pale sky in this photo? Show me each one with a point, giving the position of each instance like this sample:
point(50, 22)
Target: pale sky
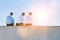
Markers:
point(50, 9)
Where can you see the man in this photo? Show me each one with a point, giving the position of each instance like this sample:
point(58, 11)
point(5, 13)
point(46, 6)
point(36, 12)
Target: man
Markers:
point(29, 20)
point(21, 20)
point(10, 20)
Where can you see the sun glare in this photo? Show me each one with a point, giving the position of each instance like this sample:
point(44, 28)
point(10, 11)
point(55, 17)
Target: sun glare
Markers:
point(40, 15)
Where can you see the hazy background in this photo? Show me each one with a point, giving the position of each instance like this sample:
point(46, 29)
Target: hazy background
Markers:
point(19, 6)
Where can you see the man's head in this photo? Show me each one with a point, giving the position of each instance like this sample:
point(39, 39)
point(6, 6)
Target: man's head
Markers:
point(30, 13)
point(11, 13)
point(23, 14)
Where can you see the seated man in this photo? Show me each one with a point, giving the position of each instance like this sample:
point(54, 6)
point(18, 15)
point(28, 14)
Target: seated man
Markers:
point(10, 20)
point(29, 20)
point(21, 20)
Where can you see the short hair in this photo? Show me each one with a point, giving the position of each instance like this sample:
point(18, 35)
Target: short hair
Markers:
point(23, 13)
point(11, 13)
point(30, 13)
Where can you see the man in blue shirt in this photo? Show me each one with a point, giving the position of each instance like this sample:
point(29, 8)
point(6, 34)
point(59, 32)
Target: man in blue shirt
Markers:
point(10, 20)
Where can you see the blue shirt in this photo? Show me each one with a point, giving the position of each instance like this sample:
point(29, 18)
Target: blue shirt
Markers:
point(10, 20)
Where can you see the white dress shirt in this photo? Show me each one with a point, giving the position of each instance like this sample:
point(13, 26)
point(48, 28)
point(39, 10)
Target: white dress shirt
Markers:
point(21, 19)
point(28, 19)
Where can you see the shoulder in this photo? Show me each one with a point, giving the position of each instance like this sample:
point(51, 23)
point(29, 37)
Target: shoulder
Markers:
point(27, 16)
point(20, 16)
point(8, 16)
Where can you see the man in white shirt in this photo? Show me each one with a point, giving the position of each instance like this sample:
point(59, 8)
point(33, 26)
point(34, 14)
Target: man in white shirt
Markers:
point(21, 20)
point(29, 20)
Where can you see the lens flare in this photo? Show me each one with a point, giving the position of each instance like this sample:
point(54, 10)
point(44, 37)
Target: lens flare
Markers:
point(41, 15)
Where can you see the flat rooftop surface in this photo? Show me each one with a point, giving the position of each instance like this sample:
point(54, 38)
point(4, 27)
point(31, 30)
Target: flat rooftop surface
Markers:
point(30, 33)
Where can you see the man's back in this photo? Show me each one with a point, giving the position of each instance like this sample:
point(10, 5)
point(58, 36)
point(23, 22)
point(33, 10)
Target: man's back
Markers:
point(28, 19)
point(9, 20)
point(21, 19)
